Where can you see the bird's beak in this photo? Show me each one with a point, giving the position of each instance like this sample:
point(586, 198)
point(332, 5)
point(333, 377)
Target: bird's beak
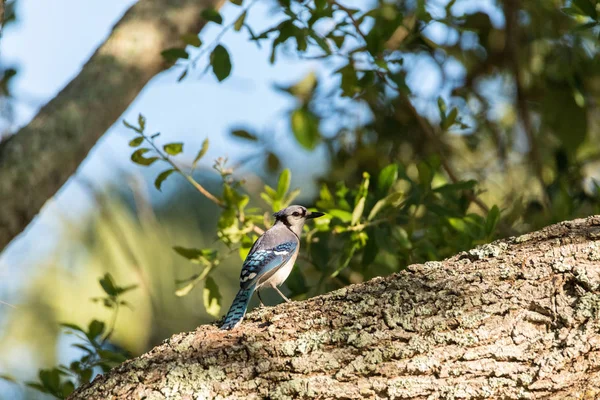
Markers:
point(314, 214)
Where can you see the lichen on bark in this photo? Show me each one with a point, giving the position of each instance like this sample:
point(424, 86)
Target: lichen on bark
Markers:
point(506, 320)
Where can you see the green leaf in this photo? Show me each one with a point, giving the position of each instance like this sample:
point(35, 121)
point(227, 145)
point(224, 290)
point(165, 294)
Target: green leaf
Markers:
point(212, 15)
point(425, 174)
point(450, 119)
point(369, 252)
point(108, 284)
point(284, 183)
point(194, 255)
point(305, 126)
point(138, 157)
point(95, 329)
point(67, 388)
point(290, 197)
point(142, 122)
point(358, 211)
point(7, 378)
point(243, 134)
point(587, 7)
point(50, 379)
point(173, 148)
point(212, 297)
point(112, 356)
point(455, 187)
point(344, 216)
point(191, 39)
point(387, 177)
point(129, 126)
point(201, 153)
point(173, 54)
point(565, 118)
point(239, 23)
point(392, 199)
point(220, 62)
point(273, 162)
point(72, 327)
point(492, 220)
point(236, 2)
point(136, 141)
point(161, 178)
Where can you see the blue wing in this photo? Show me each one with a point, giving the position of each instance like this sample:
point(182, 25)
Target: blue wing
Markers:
point(260, 264)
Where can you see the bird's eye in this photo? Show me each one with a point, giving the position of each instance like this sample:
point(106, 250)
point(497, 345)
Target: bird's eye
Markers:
point(296, 214)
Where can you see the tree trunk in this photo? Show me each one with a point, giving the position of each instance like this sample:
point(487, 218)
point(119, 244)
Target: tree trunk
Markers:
point(40, 158)
point(515, 319)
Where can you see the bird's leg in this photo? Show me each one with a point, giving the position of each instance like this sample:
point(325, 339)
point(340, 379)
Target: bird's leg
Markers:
point(281, 294)
point(260, 299)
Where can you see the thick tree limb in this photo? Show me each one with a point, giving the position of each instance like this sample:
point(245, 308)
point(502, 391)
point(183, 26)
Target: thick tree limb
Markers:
point(40, 158)
point(515, 319)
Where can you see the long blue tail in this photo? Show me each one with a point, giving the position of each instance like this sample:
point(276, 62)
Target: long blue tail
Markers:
point(238, 308)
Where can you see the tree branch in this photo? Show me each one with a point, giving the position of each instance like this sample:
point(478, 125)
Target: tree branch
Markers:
point(518, 318)
point(40, 158)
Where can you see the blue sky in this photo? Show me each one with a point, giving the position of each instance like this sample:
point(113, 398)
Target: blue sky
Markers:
point(52, 40)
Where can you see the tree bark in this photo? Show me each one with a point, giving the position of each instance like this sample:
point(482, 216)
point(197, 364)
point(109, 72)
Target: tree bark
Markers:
point(515, 319)
point(40, 158)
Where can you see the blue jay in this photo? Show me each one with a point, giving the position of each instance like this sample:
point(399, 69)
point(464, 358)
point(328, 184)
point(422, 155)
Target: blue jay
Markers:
point(270, 260)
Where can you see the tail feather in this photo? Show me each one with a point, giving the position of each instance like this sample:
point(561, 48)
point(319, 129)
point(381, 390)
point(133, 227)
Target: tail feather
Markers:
point(238, 308)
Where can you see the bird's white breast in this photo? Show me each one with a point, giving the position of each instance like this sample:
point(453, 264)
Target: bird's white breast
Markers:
point(282, 274)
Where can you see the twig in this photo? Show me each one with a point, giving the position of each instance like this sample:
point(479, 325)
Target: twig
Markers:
point(191, 180)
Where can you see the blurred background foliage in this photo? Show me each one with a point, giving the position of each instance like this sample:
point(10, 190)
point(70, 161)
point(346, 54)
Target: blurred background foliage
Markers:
point(500, 138)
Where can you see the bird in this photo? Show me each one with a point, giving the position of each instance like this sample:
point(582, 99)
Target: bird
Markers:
point(270, 260)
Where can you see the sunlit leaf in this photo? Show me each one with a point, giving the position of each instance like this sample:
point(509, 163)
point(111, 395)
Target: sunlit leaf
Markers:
point(136, 141)
point(211, 297)
point(283, 184)
point(387, 177)
point(390, 200)
point(201, 153)
point(305, 126)
point(173, 148)
point(239, 23)
point(358, 211)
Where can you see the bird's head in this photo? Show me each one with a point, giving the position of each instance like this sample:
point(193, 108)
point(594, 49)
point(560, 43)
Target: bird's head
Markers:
point(295, 216)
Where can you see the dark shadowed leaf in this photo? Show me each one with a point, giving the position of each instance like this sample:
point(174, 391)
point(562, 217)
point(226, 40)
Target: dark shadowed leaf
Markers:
point(191, 39)
point(136, 141)
point(95, 329)
point(108, 285)
point(243, 134)
point(212, 15)
point(221, 63)
point(273, 162)
point(172, 55)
